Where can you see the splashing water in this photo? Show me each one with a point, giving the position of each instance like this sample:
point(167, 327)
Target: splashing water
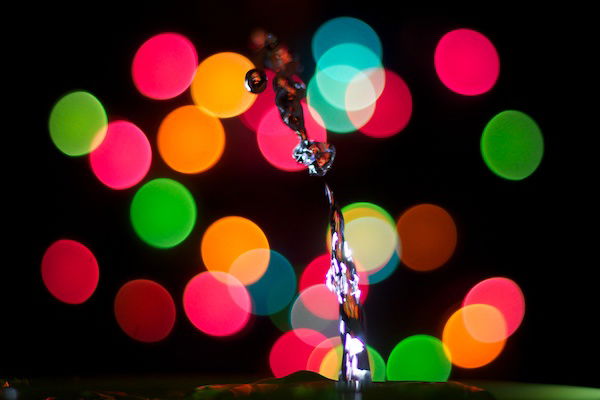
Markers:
point(342, 277)
point(317, 156)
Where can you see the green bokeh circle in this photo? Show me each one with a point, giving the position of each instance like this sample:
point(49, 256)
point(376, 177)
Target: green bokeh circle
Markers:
point(377, 365)
point(419, 358)
point(512, 145)
point(163, 213)
point(77, 123)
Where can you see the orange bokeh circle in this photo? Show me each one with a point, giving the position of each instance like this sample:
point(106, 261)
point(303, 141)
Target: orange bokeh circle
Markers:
point(427, 236)
point(230, 238)
point(218, 86)
point(191, 141)
point(464, 350)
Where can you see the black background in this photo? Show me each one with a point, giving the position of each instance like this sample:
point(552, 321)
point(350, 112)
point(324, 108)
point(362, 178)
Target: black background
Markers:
point(532, 231)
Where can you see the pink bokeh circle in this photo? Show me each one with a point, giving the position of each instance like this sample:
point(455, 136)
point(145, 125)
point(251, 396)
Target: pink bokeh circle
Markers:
point(164, 66)
point(123, 158)
point(467, 62)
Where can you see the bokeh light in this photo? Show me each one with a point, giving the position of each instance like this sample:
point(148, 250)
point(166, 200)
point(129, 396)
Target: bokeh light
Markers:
point(335, 119)
point(164, 66)
point(275, 289)
point(341, 30)
point(218, 86)
point(316, 270)
point(393, 109)
point(163, 213)
point(123, 158)
point(302, 317)
point(145, 310)
point(419, 358)
point(373, 242)
point(484, 323)
point(378, 367)
point(228, 238)
point(217, 303)
point(466, 351)
point(291, 351)
point(331, 361)
point(512, 145)
point(389, 260)
point(320, 352)
point(344, 76)
point(70, 271)
point(77, 123)
point(428, 236)
point(466, 62)
point(364, 89)
point(505, 295)
point(322, 302)
point(191, 141)
point(277, 142)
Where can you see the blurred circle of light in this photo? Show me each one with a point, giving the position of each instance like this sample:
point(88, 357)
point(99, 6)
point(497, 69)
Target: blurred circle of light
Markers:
point(332, 118)
point(281, 319)
point(291, 351)
point(485, 323)
point(363, 91)
point(378, 369)
point(428, 236)
point(191, 141)
point(464, 349)
point(70, 271)
point(302, 317)
point(218, 86)
point(316, 270)
point(331, 363)
point(228, 238)
point(77, 123)
point(319, 300)
point(276, 141)
point(333, 83)
point(217, 303)
point(145, 310)
point(467, 62)
point(124, 157)
point(320, 352)
point(419, 358)
point(275, 289)
point(353, 55)
point(164, 66)
point(392, 110)
point(345, 30)
point(358, 210)
point(163, 213)
point(505, 295)
point(372, 242)
point(512, 145)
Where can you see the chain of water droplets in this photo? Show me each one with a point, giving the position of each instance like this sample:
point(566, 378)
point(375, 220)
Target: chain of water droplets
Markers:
point(342, 278)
